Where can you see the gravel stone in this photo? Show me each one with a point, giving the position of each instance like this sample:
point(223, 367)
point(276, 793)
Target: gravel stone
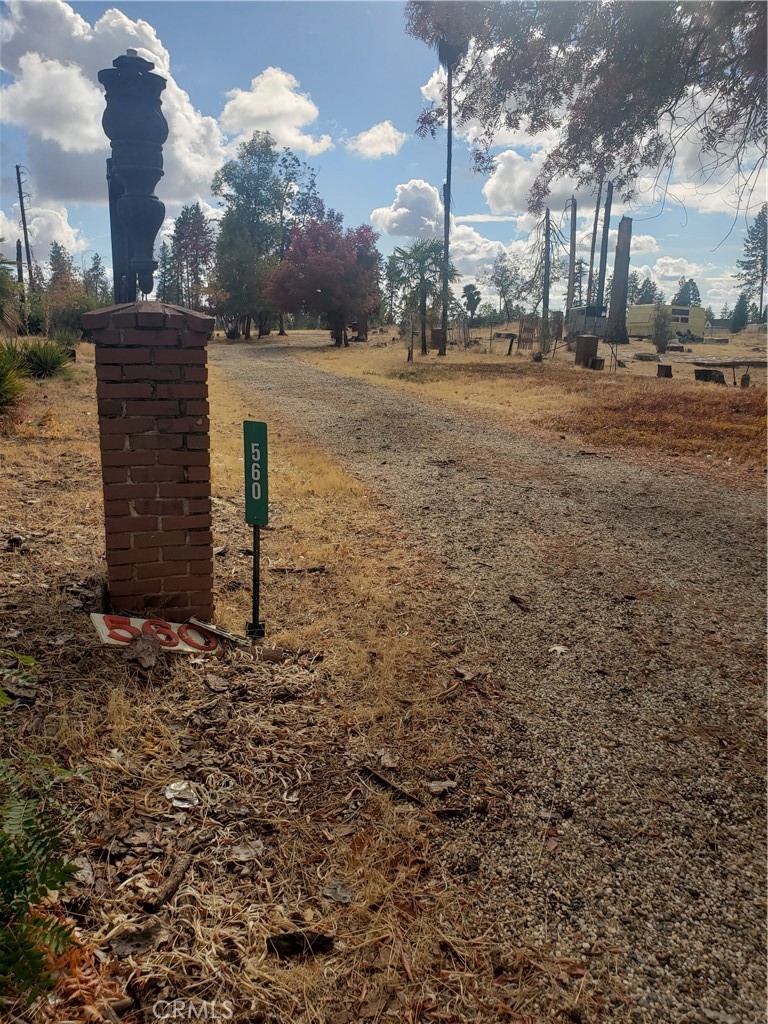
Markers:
point(648, 728)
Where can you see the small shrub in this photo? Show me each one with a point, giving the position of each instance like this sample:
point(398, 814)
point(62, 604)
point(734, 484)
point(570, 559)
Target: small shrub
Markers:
point(67, 339)
point(41, 359)
point(661, 327)
point(11, 384)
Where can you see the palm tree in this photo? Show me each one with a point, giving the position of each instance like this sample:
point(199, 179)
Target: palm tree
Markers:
point(443, 26)
point(419, 270)
point(450, 55)
point(470, 296)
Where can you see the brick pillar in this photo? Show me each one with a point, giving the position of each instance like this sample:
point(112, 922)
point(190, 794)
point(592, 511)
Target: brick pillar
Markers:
point(154, 431)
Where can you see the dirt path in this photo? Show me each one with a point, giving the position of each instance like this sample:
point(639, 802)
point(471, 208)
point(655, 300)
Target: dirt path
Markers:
point(619, 608)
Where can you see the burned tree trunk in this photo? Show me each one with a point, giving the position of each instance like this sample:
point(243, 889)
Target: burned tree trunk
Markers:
point(616, 327)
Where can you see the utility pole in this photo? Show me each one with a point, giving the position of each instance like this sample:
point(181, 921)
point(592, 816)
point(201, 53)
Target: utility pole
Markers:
point(616, 328)
point(604, 246)
point(19, 264)
point(590, 278)
point(30, 275)
point(571, 258)
point(545, 295)
point(20, 280)
point(571, 268)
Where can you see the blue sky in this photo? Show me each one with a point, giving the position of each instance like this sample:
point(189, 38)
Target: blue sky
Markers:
point(342, 85)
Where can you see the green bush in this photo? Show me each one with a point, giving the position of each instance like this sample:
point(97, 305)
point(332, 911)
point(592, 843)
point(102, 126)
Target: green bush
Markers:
point(67, 339)
point(11, 384)
point(43, 359)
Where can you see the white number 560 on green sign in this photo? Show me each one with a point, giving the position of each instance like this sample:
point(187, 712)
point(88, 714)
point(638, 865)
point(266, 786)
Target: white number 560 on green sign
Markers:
point(256, 489)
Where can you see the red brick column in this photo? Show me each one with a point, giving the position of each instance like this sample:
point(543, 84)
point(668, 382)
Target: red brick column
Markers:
point(153, 424)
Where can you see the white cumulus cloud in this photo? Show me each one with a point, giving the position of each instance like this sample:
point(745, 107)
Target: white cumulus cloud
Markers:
point(382, 139)
point(416, 212)
point(58, 100)
point(274, 104)
point(45, 224)
point(54, 56)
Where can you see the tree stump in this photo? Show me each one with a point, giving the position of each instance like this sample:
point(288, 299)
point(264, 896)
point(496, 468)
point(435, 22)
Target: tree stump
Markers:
point(709, 376)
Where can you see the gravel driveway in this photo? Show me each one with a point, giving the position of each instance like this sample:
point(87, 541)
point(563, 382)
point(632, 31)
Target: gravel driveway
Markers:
point(620, 607)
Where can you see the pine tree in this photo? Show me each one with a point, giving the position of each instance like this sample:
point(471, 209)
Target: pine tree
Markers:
point(165, 289)
point(61, 266)
point(688, 294)
point(192, 248)
point(740, 315)
point(753, 267)
point(95, 281)
point(649, 293)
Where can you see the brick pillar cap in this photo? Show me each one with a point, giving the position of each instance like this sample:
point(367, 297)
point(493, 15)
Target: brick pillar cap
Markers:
point(153, 315)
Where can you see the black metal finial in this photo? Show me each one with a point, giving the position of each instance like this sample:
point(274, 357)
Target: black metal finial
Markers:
point(133, 122)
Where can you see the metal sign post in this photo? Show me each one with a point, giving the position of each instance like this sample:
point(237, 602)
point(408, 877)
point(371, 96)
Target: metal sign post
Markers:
point(256, 505)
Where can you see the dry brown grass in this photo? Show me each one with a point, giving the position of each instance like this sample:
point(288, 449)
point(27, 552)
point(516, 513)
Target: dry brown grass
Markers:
point(696, 420)
point(630, 408)
point(278, 755)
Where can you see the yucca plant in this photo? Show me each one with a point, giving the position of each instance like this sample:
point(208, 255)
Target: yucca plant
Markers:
point(31, 866)
point(42, 359)
point(11, 385)
point(69, 340)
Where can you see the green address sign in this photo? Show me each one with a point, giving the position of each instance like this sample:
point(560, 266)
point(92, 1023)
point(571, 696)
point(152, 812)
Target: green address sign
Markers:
point(256, 489)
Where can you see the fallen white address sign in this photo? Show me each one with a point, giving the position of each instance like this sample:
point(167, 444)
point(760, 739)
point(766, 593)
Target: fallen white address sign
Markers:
point(174, 636)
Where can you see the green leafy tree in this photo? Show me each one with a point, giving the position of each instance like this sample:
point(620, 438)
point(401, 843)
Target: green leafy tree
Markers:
point(709, 313)
point(740, 314)
point(622, 82)
point(511, 282)
point(392, 284)
point(688, 294)
point(266, 194)
point(61, 293)
point(726, 312)
point(752, 268)
point(488, 315)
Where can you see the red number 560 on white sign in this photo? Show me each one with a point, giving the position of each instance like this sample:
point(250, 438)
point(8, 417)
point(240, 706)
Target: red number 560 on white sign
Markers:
point(175, 636)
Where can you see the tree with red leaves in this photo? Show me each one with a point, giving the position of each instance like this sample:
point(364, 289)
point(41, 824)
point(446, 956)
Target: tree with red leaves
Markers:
point(328, 271)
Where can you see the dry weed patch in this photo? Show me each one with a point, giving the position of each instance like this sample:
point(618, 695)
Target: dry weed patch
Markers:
point(693, 419)
point(310, 770)
point(630, 409)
